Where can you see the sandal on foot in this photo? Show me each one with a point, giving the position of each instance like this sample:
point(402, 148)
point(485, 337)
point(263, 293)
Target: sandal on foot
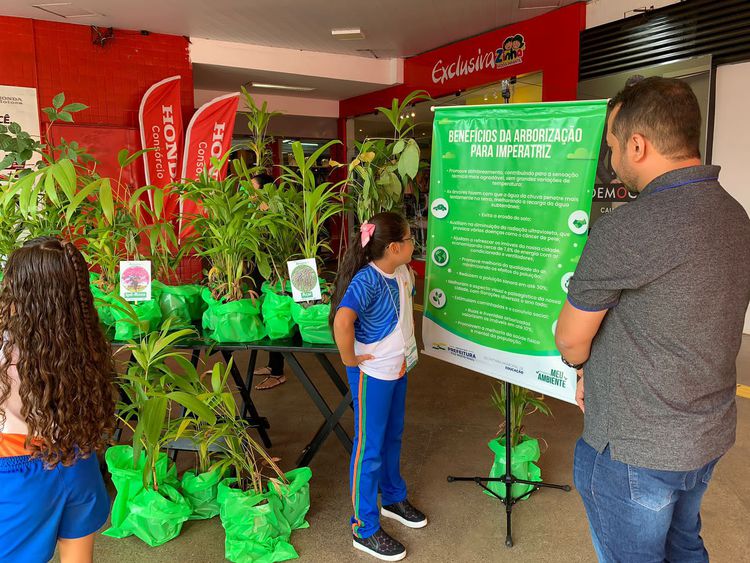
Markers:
point(270, 382)
point(262, 371)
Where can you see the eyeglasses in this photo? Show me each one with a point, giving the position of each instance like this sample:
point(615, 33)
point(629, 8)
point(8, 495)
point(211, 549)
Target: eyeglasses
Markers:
point(407, 239)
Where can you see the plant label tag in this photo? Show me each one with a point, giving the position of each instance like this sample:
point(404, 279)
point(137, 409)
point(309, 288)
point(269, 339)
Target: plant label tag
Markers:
point(304, 277)
point(135, 280)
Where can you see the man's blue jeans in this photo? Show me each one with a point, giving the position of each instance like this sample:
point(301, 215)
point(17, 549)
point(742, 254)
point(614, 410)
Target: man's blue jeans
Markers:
point(641, 515)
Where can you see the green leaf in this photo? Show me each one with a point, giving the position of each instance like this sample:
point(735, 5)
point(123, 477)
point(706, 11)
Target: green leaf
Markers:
point(5, 162)
point(65, 116)
point(58, 100)
point(128, 160)
point(74, 107)
point(122, 157)
point(106, 201)
point(408, 162)
point(51, 113)
point(14, 128)
point(158, 202)
point(153, 415)
point(193, 405)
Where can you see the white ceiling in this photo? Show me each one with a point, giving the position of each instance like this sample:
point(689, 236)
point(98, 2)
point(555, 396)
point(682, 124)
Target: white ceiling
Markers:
point(393, 28)
point(229, 79)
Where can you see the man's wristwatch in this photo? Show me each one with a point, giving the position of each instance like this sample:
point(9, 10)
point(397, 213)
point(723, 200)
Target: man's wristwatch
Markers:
point(574, 366)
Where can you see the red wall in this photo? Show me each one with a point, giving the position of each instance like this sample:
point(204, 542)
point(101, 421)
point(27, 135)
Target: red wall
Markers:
point(57, 57)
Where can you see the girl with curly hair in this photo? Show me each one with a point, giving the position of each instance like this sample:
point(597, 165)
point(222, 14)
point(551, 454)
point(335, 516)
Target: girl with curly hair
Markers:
point(57, 406)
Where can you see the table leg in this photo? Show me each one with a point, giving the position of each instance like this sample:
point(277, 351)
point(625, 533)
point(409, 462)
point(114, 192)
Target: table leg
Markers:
point(333, 373)
point(249, 376)
point(331, 418)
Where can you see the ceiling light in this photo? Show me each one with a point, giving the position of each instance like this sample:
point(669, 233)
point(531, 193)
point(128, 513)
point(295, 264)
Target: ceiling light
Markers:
point(65, 10)
point(309, 144)
point(348, 34)
point(279, 87)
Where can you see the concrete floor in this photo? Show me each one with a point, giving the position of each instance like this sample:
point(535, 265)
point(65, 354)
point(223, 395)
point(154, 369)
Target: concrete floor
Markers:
point(448, 423)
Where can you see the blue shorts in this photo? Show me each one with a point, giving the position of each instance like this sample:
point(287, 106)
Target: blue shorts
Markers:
point(38, 506)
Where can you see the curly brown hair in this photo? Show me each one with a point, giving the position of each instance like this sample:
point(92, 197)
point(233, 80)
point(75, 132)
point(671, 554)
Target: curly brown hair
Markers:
point(64, 362)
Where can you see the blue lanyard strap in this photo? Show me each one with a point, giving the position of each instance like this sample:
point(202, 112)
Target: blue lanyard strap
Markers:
point(698, 181)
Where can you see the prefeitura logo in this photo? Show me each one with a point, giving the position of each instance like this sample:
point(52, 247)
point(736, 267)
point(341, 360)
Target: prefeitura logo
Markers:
point(553, 377)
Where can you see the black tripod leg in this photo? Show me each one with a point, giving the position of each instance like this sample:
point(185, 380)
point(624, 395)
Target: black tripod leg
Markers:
point(508, 529)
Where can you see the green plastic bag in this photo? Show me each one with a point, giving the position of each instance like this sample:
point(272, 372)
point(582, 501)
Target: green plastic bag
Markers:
point(180, 303)
point(235, 321)
point(277, 312)
point(313, 323)
point(149, 319)
point(256, 530)
point(154, 517)
point(295, 497)
point(102, 303)
point(201, 492)
point(522, 465)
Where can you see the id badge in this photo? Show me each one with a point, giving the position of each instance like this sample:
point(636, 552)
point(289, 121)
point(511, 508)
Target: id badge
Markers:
point(411, 353)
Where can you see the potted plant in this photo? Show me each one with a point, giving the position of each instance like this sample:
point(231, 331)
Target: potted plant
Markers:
point(181, 304)
point(280, 242)
point(148, 503)
point(228, 236)
point(111, 235)
point(380, 173)
point(319, 203)
point(259, 143)
point(524, 449)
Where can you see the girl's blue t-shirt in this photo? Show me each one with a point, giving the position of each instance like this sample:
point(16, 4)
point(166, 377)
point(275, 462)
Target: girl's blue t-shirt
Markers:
point(367, 295)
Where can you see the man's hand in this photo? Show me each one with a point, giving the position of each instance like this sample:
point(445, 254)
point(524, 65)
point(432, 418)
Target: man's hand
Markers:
point(358, 360)
point(579, 391)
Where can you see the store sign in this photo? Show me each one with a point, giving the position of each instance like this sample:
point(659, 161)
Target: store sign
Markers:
point(510, 203)
point(19, 105)
point(509, 53)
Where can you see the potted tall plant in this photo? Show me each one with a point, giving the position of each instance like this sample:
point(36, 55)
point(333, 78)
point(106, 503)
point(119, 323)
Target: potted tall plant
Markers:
point(319, 203)
point(280, 243)
point(148, 503)
point(524, 449)
point(259, 143)
point(181, 304)
point(228, 236)
point(380, 173)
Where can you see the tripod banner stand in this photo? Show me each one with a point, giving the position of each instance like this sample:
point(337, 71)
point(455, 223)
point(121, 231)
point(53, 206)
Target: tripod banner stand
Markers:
point(510, 200)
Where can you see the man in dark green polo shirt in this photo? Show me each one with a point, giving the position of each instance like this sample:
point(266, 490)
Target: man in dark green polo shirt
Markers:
point(654, 318)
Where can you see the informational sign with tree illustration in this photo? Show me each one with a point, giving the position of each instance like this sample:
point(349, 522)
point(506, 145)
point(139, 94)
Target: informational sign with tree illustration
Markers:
point(135, 280)
point(511, 188)
point(304, 277)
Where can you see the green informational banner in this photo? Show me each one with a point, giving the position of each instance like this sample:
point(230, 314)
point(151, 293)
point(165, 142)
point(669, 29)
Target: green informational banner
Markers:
point(510, 197)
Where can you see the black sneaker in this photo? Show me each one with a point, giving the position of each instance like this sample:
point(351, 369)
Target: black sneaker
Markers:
point(405, 513)
point(382, 546)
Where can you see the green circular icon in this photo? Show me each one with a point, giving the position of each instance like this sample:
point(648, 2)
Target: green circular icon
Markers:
point(440, 256)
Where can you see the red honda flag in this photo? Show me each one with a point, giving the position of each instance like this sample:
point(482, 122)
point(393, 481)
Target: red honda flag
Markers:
point(209, 135)
point(160, 117)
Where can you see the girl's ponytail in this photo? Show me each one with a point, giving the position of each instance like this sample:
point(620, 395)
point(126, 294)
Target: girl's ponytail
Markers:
point(368, 243)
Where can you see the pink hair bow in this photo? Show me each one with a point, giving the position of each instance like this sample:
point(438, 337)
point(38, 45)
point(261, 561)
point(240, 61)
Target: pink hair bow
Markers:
point(366, 231)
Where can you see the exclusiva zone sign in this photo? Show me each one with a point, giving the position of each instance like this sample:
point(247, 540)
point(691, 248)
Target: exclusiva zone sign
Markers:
point(510, 53)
